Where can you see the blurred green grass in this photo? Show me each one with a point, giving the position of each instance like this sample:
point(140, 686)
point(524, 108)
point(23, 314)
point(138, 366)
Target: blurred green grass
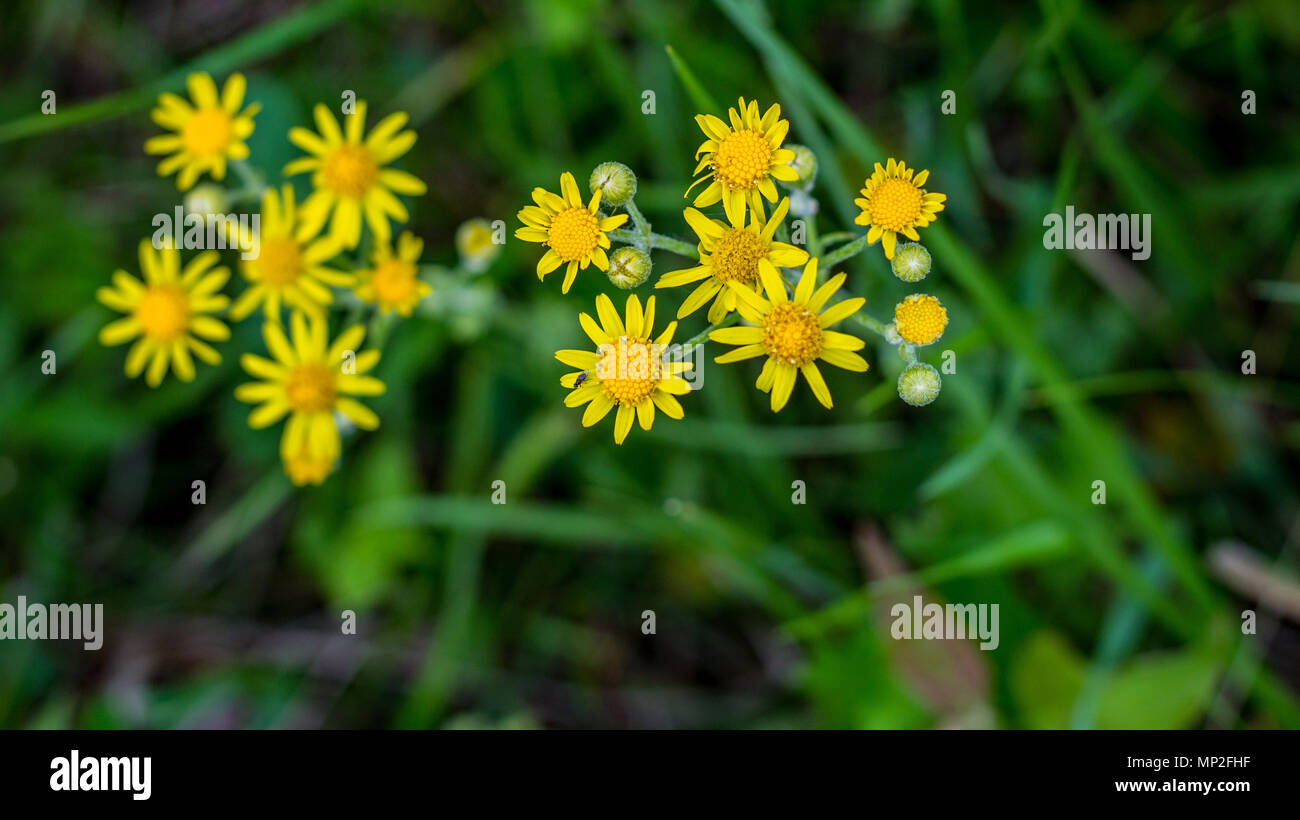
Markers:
point(768, 613)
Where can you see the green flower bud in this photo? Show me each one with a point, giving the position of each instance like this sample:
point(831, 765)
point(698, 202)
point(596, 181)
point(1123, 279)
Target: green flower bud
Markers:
point(911, 262)
point(615, 181)
point(628, 267)
point(206, 199)
point(919, 384)
point(804, 164)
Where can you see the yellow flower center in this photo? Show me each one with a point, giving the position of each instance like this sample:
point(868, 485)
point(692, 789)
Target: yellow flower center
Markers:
point(573, 234)
point(207, 132)
point(792, 334)
point(280, 262)
point(895, 204)
point(743, 159)
point(394, 282)
point(163, 313)
point(350, 171)
point(920, 319)
point(310, 387)
point(629, 371)
point(736, 254)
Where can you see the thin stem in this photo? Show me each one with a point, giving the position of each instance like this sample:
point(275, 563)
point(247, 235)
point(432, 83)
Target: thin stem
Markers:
point(659, 241)
point(703, 336)
point(843, 252)
point(867, 322)
point(252, 180)
point(641, 223)
point(837, 237)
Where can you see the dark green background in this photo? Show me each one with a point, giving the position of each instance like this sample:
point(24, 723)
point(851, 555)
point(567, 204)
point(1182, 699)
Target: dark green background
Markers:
point(1071, 368)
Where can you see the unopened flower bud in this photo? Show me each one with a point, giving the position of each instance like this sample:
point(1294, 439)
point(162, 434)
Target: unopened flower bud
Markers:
point(206, 199)
point(615, 181)
point(911, 262)
point(629, 267)
point(919, 384)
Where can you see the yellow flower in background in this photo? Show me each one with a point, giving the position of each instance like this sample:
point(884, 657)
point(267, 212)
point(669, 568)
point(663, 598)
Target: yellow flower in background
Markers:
point(792, 333)
point(166, 313)
point(393, 282)
point(626, 371)
point(289, 267)
point(742, 159)
point(209, 132)
point(894, 201)
point(573, 233)
point(303, 467)
point(348, 173)
point(476, 244)
point(307, 381)
point(920, 319)
point(731, 253)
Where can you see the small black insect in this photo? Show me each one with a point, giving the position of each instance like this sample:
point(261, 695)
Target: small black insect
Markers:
point(582, 377)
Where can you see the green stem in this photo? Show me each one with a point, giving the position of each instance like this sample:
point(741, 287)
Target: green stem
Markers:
point(866, 321)
point(659, 241)
point(703, 336)
point(837, 237)
point(843, 252)
point(253, 181)
point(641, 223)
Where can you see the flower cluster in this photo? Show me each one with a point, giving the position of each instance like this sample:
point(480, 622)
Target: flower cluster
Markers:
point(301, 260)
point(769, 289)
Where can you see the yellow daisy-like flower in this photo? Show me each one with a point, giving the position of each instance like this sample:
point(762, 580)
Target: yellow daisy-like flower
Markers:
point(731, 254)
point(894, 201)
point(742, 158)
point(792, 333)
point(627, 371)
point(348, 173)
point(920, 319)
point(572, 232)
point(308, 381)
point(208, 133)
point(303, 467)
point(393, 283)
point(167, 312)
point(289, 266)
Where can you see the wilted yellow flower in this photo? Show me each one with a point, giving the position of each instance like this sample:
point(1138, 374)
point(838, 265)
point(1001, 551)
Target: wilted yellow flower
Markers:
point(731, 254)
point(393, 282)
point(573, 233)
point(792, 333)
point(348, 173)
point(308, 380)
point(167, 312)
point(627, 370)
point(893, 201)
point(742, 159)
point(208, 133)
point(289, 267)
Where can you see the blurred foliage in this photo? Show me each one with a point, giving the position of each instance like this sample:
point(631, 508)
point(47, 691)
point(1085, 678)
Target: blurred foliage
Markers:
point(1072, 367)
